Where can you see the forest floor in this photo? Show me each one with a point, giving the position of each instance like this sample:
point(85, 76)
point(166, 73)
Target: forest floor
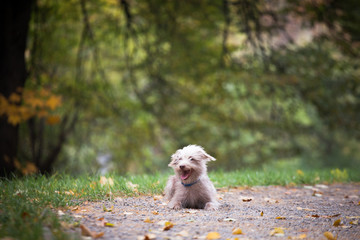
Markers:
point(272, 212)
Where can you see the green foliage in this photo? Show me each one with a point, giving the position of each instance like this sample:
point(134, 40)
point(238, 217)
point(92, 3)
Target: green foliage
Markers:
point(159, 75)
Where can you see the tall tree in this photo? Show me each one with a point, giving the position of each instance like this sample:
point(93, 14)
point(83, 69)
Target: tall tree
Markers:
point(14, 25)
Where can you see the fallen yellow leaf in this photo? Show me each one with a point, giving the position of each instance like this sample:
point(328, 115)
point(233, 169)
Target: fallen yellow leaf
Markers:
point(262, 213)
point(168, 226)
point(108, 209)
point(337, 223)
point(155, 212)
point(302, 236)
point(107, 224)
point(281, 218)
point(277, 232)
point(213, 235)
point(236, 231)
point(148, 220)
point(329, 236)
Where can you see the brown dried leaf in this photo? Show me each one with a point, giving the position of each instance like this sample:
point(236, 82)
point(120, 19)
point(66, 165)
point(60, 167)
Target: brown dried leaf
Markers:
point(337, 222)
point(168, 226)
point(87, 233)
point(149, 236)
point(315, 215)
point(247, 199)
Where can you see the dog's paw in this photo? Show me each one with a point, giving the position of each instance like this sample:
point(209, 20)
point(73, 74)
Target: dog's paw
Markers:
point(175, 206)
point(211, 206)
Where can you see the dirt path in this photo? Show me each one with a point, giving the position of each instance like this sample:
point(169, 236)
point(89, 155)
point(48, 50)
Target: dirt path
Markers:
point(300, 212)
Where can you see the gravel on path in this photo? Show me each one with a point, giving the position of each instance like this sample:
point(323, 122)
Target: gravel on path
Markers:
point(272, 212)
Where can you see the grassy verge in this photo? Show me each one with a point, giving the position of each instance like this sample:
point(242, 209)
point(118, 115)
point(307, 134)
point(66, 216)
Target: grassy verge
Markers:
point(28, 205)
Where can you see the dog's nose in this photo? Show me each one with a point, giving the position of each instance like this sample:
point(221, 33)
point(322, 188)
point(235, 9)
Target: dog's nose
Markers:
point(182, 166)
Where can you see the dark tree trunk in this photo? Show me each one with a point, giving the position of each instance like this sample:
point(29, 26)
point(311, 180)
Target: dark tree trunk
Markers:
point(14, 24)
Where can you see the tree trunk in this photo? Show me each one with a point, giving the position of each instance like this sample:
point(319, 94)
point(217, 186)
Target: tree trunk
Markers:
point(14, 24)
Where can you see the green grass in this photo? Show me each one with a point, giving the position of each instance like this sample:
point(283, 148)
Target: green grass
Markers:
point(28, 205)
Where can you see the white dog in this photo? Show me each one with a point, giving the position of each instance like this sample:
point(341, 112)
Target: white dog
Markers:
point(191, 187)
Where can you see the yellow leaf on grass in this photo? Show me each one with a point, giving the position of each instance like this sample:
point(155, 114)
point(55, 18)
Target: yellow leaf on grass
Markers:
point(168, 226)
point(329, 236)
point(337, 223)
point(281, 218)
point(155, 212)
point(213, 235)
point(262, 213)
point(277, 232)
point(300, 173)
point(236, 231)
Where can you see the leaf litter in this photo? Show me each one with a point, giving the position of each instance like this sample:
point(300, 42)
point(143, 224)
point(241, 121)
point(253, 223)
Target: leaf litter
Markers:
point(291, 213)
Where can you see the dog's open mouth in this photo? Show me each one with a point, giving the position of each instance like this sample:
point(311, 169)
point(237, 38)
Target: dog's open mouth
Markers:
point(185, 174)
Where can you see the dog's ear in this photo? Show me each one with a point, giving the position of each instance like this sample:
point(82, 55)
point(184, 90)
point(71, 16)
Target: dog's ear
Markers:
point(205, 156)
point(174, 158)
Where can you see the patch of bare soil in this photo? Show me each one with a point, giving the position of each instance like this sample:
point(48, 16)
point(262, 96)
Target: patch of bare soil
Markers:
point(272, 212)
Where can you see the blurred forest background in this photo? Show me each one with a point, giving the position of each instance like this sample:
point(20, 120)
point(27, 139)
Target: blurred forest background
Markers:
point(255, 82)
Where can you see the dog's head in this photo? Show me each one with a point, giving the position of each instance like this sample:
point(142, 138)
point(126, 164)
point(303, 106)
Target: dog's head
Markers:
point(190, 162)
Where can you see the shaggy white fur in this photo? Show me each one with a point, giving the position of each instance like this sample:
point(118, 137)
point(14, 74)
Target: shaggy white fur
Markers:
point(190, 187)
